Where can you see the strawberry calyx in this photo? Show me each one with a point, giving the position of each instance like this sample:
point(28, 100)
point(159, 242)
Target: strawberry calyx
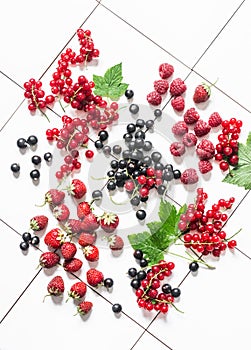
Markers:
point(108, 218)
point(207, 88)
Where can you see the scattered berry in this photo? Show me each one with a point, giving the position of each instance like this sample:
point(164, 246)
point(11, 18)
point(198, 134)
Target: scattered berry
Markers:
point(205, 149)
point(177, 87)
point(202, 93)
point(84, 307)
point(154, 98)
point(109, 222)
point(189, 176)
point(49, 259)
point(178, 103)
point(214, 120)
point(180, 128)
point(94, 277)
point(177, 149)
point(39, 222)
point(72, 265)
point(15, 167)
point(201, 128)
point(77, 290)
point(55, 286)
point(165, 70)
point(161, 86)
point(189, 139)
point(191, 116)
point(205, 166)
point(116, 308)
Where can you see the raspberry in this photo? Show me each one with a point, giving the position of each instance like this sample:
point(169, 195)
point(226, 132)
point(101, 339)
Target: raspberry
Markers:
point(205, 166)
point(154, 98)
point(189, 139)
point(178, 103)
point(177, 87)
point(177, 149)
point(205, 150)
point(179, 128)
point(165, 70)
point(161, 86)
point(214, 120)
point(201, 128)
point(189, 176)
point(191, 116)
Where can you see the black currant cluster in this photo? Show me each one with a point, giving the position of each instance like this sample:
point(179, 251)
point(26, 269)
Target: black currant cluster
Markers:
point(27, 240)
point(102, 136)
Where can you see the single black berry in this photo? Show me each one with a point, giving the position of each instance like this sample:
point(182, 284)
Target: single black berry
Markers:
point(97, 194)
point(98, 144)
point(111, 185)
point(103, 135)
point(108, 282)
point(161, 189)
point(135, 201)
point(158, 166)
point(107, 150)
point(15, 167)
point(35, 240)
point(26, 236)
point(140, 123)
point(169, 167)
point(139, 143)
point(32, 140)
point(118, 176)
point(35, 174)
point(176, 174)
point(131, 128)
point(149, 124)
point(175, 292)
point(129, 94)
point(36, 160)
point(140, 134)
point(24, 245)
point(114, 164)
point(167, 175)
point(131, 145)
point(144, 199)
point(193, 266)
point(135, 283)
point(166, 288)
point(117, 149)
point(143, 262)
point(126, 154)
point(138, 254)
point(134, 108)
point(116, 308)
point(48, 156)
point(132, 272)
point(110, 173)
point(147, 160)
point(140, 214)
point(122, 164)
point(127, 137)
point(147, 146)
point(21, 143)
point(158, 113)
point(141, 275)
point(156, 156)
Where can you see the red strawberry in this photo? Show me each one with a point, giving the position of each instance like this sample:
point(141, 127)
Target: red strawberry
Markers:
point(83, 209)
point(178, 103)
point(90, 223)
point(72, 265)
point(91, 253)
point(77, 188)
point(202, 93)
point(77, 291)
point(53, 197)
point(87, 238)
point(191, 116)
point(49, 259)
point(54, 238)
point(109, 222)
point(94, 277)
point(61, 212)
point(55, 286)
point(84, 307)
point(177, 87)
point(38, 223)
point(72, 226)
point(115, 242)
point(68, 250)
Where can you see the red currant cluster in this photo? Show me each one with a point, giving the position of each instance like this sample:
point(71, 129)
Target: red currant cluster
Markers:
point(87, 50)
point(227, 148)
point(100, 118)
point(34, 92)
point(203, 229)
point(149, 295)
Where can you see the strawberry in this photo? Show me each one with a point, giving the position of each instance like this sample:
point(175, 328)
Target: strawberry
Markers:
point(87, 238)
point(91, 253)
point(90, 223)
point(72, 226)
point(77, 291)
point(38, 223)
point(84, 307)
point(109, 222)
point(202, 93)
point(94, 277)
point(77, 188)
point(55, 286)
point(49, 259)
point(68, 250)
point(54, 238)
point(83, 209)
point(177, 87)
point(115, 242)
point(72, 265)
point(53, 197)
point(61, 212)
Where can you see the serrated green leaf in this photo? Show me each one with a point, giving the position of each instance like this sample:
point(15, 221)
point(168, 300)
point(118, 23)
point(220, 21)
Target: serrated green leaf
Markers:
point(113, 76)
point(98, 80)
point(248, 143)
point(154, 226)
point(137, 240)
point(164, 210)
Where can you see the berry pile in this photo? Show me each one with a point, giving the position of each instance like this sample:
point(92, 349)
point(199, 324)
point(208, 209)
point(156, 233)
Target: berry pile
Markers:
point(203, 229)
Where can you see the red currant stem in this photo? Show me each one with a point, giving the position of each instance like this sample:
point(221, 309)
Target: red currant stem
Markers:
point(118, 203)
point(165, 193)
point(60, 103)
point(44, 114)
point(34, 98)
point(236, 233)
point(150, 283)
point(192, 259)
point(98, 178)
point(122, 108)
point(177, 308)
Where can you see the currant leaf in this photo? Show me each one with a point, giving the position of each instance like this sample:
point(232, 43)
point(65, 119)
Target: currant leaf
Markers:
point(113, 76)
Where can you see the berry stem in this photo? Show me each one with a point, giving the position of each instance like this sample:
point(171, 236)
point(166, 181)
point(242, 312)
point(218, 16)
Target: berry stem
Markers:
point(236, 233)
point(192, 259)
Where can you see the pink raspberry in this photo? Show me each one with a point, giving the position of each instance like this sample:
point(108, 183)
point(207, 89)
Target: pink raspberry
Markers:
point(178, 103)
point(179, 128)
point(154, 98)
point(205, 166)
point(189, 176)
point(177, 149)
point(214, 120)
point(191, 116)
point(165, 70)
point(205, 149)
point(201, 128)
point(189, 139)
point(177, 87)
point(161, 86)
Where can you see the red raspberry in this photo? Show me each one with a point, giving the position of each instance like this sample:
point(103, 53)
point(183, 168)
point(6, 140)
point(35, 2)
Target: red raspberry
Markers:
point(177, 87)
point(189, 176)
point(189, 139)
point(165, 70)
point(191, 116)
point(179, 128)
point(161, 86)
point(177, 149)
point(178, 103)
point(201, 128)
point(205, 150)
point(205, 166)
point(214, 120)
point(154, 98)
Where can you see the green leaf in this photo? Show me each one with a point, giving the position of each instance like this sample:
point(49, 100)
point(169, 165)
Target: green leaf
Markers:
point(137, 240)
point(113, 76)
point(154, 226)
point(98, 80)
point(164, 210)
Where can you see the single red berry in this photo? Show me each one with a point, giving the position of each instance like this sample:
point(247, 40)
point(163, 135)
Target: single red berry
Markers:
point(89, 154)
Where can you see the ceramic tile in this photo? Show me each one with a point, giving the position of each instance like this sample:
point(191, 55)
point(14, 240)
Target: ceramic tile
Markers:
point(169, 25)
point(53, 315)
point(225, 53)
point(209, 302)
point(47, 32)
point(147, 341)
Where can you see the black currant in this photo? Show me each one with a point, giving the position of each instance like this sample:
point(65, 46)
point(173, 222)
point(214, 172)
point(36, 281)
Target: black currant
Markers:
point(158, 166)
point(138, 254)
point(169, 167)
point(26, 236)
point(110, 173)
point(166, 288)
point(111, 185)
point(24, 245)
point(35, 174)
point(122, 164)
point(130, 128)
point(120, 183)
point(143, 262)
point(193, 266)
point(132, 272)
point(117, 149)
point(118, 176)
point(158, 113)
point(149, 124)
point(147, 160)
point(176, 174)
point(48, 156)
point(32, 140)
point(140, 134)
point(135, 201)
point(175, 292)
point(114, 164)
point(140, 123)
point(129, 94)
point(134, 108)
point(141, 275)
point(126, 154)
point(98, 144)
point(35, 240)
point(167, 175)
point(21, 143)
point(156, 156)
point(15, 167)
point(103, 135)
point(144, 199)
point(108, 282)
point(97, 194)
point(116, 308)
point(127, 137)
point(107, 150)
point(36, 160)
point(147, 146)
point(140, 214)
point(135, 283)
point(161, 189)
